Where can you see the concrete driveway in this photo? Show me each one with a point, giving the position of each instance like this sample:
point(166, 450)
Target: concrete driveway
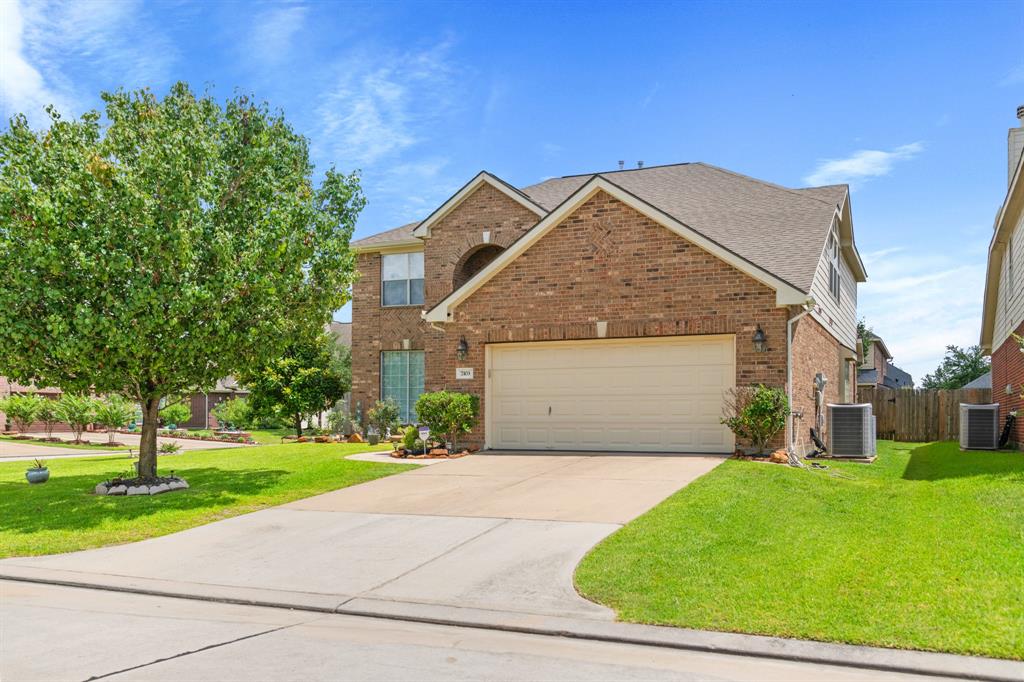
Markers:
point(496, 533)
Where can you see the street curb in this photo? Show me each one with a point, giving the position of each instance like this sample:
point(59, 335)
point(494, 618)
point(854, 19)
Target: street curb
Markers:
point(756, 646)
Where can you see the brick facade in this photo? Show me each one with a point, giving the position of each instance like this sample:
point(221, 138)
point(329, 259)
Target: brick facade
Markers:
point(815, 350)
point(606, 263)
point(1008, 370)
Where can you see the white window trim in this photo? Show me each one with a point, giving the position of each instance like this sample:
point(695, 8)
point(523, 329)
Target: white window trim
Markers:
point(407, 281)
point(835, 277)
point(381, 374)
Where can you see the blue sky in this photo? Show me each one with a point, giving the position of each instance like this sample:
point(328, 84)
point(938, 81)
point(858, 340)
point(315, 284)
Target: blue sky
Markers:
point(908, 102)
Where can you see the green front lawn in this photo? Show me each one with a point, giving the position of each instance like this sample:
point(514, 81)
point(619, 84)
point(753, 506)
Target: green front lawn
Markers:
point(63, 515)
point(261, 436)
point(924, 549)
point(74, 446)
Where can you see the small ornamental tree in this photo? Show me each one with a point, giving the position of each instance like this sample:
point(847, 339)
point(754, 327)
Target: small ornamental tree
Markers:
point(114, 412)
point(175, 414)
point(306, 380)
point(48, 415)
point(233, 413)
point(383, 417)
point(448, 413)
point(756, 414)
point(23, 410)
point(78, 411)
point(171, 244)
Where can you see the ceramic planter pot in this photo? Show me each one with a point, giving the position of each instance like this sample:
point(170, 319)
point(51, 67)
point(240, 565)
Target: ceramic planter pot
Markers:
point(38, 475)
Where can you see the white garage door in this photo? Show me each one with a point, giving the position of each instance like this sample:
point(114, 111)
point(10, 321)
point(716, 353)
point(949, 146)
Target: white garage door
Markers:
point(650, 395)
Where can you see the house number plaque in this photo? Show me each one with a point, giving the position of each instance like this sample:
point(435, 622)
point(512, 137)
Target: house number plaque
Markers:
point(463, 372)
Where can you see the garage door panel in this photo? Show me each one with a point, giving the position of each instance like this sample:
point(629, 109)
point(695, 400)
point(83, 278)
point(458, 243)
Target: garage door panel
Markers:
point(663, 395)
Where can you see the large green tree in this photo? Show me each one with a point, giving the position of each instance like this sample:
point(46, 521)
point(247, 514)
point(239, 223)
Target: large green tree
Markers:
point(174, 243)
point(960, 366)
point(309, 378)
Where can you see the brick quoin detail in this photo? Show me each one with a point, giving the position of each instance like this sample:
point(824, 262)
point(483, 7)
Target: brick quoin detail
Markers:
point(1008, 369)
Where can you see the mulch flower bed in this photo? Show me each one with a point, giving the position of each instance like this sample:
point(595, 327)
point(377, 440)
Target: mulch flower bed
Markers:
point(435, 453)
point(141, 486)
point(191, 436)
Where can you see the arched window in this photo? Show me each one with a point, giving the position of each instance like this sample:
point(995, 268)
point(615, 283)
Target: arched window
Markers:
point(473, 261)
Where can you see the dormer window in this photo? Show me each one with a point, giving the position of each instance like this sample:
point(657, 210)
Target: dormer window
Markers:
point(833, 265)
point(402, 279)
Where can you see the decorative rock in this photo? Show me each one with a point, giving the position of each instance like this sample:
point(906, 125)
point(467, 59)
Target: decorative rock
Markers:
point(157, 489)
point(779, 457)
point(177, 485)
point(101, 489)
point(138, 490)
point(355, 438)
point(118, 490)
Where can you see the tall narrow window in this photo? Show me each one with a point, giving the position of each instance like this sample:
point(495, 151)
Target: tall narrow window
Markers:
point(402, 279)
point(833, 265)
point(401, 379)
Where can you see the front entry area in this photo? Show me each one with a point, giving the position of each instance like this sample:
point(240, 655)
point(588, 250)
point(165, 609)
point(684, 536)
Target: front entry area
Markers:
point(661, 394)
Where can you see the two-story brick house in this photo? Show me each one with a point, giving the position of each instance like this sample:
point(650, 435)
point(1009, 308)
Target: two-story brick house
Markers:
point(1003, 312)
point(611, 311)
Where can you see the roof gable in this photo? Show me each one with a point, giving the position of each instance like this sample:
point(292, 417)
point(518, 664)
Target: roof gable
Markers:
point(423, 229)
point(786, 293)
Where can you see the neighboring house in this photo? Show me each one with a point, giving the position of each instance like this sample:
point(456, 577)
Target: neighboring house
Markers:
point(1003, 312)
point(8, 388)
point(342, 332)
point(877, 369)
point(984, 381)
point(202, 403)
point(611, 311)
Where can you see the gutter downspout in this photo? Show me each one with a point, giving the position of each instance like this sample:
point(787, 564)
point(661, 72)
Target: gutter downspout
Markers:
point(808, 306)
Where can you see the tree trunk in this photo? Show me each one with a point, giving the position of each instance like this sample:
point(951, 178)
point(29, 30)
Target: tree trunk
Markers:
point(147, 448)
point(298, 425)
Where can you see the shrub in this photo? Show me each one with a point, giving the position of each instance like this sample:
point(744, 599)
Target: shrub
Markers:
point(78, 411)
point(23, 410)
point(113, 413)
point(412, 434)
point(340, 421)
point(233, 413)
point(48, 415)
point(448, 414)
point(383, 416)
point(756, 414)
point(168, 448)
point(176, 414)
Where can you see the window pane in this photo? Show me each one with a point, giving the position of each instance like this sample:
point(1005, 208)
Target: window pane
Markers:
point(402, 380)
point(415, 291)
point(396, 266)
point(416, 265)
point(396, 292)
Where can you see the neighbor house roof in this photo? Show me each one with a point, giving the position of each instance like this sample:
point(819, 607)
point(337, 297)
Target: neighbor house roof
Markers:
point(342, 331)
point(984, 381)
point(778, 230)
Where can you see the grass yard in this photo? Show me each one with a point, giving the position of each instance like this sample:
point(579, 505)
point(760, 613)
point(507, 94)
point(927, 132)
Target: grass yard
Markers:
point(63, 515)
point(924, 549)
point(103, 447)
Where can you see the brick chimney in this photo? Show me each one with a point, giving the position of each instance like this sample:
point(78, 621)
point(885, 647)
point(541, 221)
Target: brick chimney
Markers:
point(1015, 140)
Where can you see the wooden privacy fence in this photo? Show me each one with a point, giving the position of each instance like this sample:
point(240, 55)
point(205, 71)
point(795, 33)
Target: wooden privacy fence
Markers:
point(920, 414)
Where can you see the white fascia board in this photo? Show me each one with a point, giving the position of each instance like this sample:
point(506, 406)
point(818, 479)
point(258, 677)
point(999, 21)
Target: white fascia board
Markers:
point(844, 219)
point(423, 229)
point(785, 293)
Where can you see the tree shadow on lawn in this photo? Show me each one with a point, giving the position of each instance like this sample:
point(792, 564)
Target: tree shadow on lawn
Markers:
point(66, 503)
point(945, 460)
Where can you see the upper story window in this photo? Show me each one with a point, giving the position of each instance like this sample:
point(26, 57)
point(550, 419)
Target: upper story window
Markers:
point(833, 265)
point(402, 279)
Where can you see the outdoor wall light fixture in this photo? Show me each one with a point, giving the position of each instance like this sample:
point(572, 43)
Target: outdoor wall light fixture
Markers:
point(462, 351)
point(760, 340)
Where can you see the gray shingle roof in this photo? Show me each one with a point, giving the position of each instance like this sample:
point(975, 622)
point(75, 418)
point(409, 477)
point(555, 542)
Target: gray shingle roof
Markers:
point(778, 229)
point(984, 381)
point(398, 234)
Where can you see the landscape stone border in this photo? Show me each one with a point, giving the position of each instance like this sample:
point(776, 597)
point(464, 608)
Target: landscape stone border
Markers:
point(164, 485)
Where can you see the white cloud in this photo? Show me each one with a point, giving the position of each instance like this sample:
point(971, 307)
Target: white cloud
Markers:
point(920, 302)
point(273, 32)
point(46, 46)
point(22, 87)
point(382, 103)
point(861, 165)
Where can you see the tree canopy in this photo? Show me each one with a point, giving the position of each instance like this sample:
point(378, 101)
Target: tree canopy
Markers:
point(172, 244)
point(960, 366)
